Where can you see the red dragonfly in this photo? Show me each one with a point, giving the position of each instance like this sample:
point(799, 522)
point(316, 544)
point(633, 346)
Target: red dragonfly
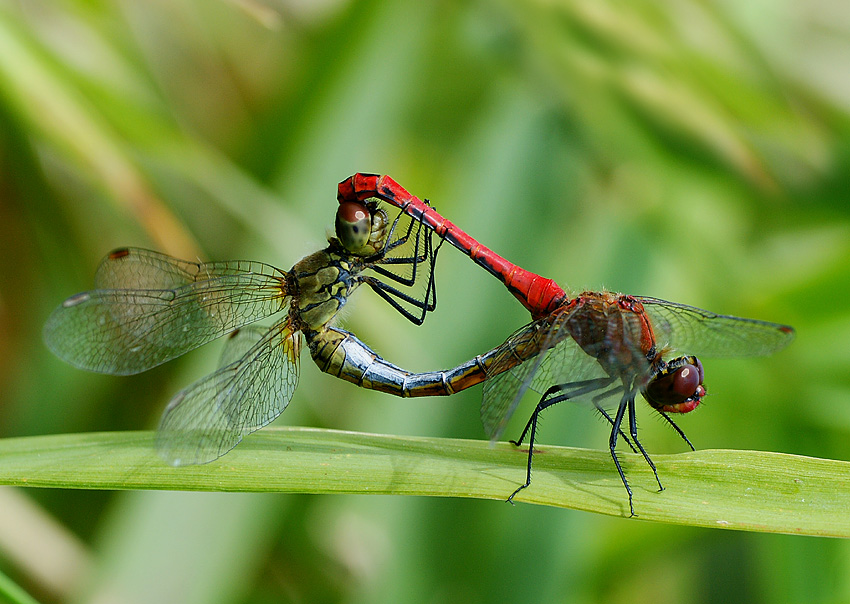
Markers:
point(149, 308)
point(594, 346)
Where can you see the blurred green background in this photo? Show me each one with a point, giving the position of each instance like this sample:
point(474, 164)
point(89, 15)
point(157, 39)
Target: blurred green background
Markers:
point(695, 151)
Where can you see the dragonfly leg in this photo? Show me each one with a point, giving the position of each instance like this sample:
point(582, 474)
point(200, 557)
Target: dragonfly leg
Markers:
point(611, 421)
point(633, 432)
point(424, 251)
point(555, 394)
point(401, 239)
point(528, 425)
point(612, 445)
point(677, 428)
point(393, 295)
point(426, 300)
point(531, 430)
point(567, 391)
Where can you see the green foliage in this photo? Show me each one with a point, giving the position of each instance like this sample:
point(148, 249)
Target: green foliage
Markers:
point(691, 151)
point(749, 490)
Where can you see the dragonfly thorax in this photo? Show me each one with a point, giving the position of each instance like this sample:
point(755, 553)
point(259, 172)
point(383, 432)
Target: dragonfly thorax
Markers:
point(324, 282)
point(614, 330)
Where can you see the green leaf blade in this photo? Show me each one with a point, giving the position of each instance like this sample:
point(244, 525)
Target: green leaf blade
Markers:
point(744, 490)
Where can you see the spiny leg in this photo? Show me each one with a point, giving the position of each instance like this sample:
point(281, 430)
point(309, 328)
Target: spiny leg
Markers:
point(596, 403)
point(611, 421)
point(633, 432)
point(612, 444)
point(414, 258)
point(677, 428)
point(393, 295)
point(580, 389)
point(532, 424)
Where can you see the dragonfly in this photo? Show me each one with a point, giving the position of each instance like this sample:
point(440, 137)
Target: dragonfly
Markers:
point(148, 308)
point(595, 346)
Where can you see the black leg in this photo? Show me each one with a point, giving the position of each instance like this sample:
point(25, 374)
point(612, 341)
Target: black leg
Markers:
point(564, 392)
point(567, 391)
point(677, 428)
point(424, 301)
point(392, 295)
point(612, 445)
point(611, 421)
point(532, 423)
point(424, 251)
point(633, 432)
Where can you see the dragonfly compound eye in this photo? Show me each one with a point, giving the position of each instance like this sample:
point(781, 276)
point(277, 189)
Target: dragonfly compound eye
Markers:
point(679, 388)
point(353, 225)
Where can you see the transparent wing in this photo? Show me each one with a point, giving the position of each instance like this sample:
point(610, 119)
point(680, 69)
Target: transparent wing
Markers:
point(136, 268)
point(210, 417)
point(139, 326)
point(509, 375)
point(239, 342)
point(702, 333)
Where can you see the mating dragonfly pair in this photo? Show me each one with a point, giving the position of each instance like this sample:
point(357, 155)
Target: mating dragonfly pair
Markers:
point(148, 308)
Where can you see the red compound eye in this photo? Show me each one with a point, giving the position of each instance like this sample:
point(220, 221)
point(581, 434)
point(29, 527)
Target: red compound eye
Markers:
point(685, 381)
point(679, 390)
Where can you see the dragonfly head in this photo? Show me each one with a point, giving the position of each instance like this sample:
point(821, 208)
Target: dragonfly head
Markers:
point(361, 227)
point(677, 387)
point(353, 225)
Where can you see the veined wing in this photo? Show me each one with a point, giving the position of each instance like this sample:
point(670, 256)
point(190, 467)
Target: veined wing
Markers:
point(130, 330)
point(239, 342)
point(210, 417)
point(508, 375)
point(700, 332)
point(136, 268)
